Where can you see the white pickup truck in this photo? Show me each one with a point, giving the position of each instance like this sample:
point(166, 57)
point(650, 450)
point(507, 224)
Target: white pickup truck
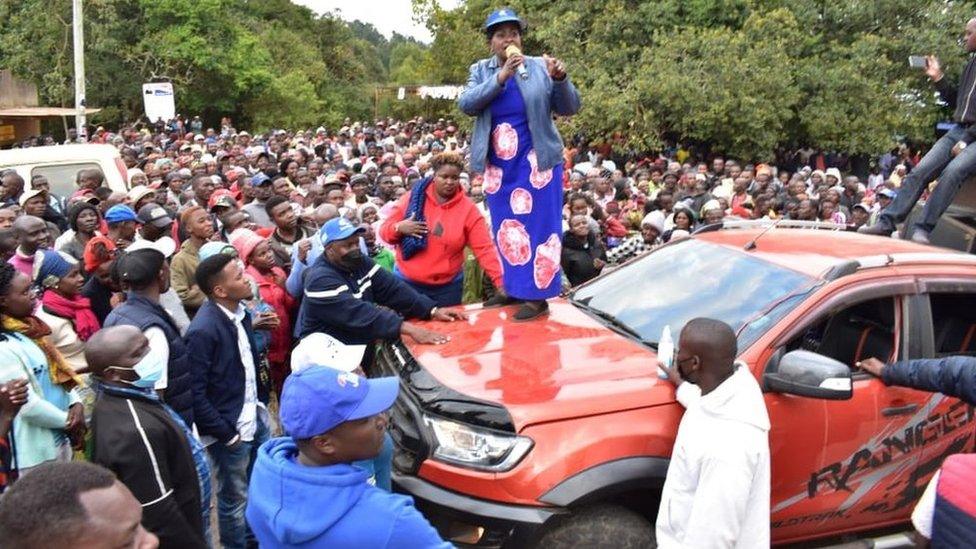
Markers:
point(61, 164)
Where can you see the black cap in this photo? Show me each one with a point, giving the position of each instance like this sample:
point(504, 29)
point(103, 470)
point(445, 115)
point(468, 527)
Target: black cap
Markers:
point(139, 267)
point(155, 215)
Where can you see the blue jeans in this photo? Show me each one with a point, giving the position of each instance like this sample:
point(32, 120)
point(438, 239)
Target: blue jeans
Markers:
point(380, 467)
point(443, 295)
point(939, 164)
point(233, 470)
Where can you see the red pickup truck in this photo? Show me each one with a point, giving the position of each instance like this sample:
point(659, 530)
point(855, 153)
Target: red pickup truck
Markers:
point(558, 432)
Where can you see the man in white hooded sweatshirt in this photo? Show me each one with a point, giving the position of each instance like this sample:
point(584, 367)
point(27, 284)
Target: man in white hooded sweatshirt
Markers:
point(717, 490)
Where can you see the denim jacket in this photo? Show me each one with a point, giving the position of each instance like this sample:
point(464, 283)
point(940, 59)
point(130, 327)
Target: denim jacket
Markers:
point(543, 96)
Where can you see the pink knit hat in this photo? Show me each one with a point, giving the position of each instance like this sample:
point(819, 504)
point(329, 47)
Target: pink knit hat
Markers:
point(244, 241)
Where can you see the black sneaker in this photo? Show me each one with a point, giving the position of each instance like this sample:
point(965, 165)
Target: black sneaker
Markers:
point(531, 310)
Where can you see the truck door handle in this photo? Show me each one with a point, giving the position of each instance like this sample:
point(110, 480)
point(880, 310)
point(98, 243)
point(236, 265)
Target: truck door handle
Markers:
point(899, 410)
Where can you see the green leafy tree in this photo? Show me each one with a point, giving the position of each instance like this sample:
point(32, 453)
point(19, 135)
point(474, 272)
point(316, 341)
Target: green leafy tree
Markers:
point(740, 76)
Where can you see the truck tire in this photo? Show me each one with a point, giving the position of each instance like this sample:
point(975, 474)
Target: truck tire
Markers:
point(599, 526)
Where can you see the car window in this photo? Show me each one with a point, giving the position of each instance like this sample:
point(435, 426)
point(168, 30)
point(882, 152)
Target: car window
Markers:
point(861, 331)
point(62, 177)
point(954, 323)
point(695, 278)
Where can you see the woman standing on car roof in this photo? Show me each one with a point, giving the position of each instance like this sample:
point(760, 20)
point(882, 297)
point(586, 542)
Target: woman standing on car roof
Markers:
point(516, 146)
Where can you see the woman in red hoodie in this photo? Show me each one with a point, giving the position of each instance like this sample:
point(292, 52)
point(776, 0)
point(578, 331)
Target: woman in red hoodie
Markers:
point(431, 225)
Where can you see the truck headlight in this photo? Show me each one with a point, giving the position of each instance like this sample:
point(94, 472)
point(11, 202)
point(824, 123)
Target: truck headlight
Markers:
point(476, 448)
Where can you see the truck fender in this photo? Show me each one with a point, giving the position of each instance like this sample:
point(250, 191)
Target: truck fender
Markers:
point(608, 479)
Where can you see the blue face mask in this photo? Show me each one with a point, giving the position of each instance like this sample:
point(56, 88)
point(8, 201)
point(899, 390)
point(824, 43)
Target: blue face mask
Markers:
point(150, 370)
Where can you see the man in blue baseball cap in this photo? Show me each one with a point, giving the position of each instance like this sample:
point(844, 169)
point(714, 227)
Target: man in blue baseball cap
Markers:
point(304, 490)
point(348, 296)
point(122, 223)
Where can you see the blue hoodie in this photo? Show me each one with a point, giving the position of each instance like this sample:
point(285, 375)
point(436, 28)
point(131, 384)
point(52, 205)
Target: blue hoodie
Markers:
point(292, 505)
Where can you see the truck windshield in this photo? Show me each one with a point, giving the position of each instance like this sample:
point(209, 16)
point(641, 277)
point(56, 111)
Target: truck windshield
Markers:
point(677, 283)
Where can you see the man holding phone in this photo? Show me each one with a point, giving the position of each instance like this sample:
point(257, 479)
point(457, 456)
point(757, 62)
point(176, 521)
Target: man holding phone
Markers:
point(950, 161)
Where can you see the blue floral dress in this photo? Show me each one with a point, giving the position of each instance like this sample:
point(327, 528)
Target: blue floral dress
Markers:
point(525, 202)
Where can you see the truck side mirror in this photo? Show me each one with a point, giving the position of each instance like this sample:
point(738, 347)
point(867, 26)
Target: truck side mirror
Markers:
point(808, 374)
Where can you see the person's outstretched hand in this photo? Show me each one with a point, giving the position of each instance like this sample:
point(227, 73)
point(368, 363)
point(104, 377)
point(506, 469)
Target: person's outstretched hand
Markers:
point(872, 366)
point(449, 315)
point(423, 335)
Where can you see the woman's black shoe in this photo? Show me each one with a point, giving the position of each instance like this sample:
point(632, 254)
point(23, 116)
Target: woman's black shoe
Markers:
point(499, 300)
point(530, 310)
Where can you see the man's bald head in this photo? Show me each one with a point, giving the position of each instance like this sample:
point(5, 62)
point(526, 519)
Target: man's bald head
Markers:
point(713, 342)
point(112, 347)
point(31, 233)
point(324, 213)
point(27, 223)
point(969, 37)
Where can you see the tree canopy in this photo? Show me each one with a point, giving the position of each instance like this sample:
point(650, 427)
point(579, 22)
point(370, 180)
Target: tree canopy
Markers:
point(742, 76)
point(268, 63)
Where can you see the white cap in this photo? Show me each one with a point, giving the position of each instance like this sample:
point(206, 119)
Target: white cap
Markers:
point(164, 245)
point(319, 349)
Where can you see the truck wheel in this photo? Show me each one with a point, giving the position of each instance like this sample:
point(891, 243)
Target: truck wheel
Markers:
point(599, 526)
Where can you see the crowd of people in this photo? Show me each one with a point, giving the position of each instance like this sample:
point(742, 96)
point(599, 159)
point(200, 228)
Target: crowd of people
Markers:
point(155, 329)
point(169, 332)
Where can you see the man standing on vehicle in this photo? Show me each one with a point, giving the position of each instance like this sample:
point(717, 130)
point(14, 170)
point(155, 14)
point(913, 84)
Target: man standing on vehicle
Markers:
point(948, 161)
point(716, 493)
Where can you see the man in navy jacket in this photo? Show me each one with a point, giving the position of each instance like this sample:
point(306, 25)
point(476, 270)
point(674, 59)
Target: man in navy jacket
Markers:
point(938, 516)
point(952, 375)
point(229, 394)
point(344, 291)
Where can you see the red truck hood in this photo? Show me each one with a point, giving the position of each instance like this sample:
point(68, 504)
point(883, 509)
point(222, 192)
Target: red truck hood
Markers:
point(564, 366)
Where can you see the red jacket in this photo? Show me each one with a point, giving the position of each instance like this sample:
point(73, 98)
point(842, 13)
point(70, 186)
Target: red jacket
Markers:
point(283, 304)
point(453, 225)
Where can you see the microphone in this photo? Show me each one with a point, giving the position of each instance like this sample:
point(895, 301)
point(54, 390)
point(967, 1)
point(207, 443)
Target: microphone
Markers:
point(511, 50)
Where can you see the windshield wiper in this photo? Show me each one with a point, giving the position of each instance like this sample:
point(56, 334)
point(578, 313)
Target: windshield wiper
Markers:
point(614, 322)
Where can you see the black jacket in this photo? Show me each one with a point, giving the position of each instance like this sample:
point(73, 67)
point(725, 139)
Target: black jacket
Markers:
point(953, 375)
point(144, 314)
point(962, 98)
point(137, 439)
point(218, 373)
point(578, 256)
point(346, 305)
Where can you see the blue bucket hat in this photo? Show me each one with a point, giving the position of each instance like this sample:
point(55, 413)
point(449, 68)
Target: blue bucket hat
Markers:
point(503, 15)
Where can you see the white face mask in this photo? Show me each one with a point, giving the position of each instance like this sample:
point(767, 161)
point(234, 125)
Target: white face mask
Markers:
point(150, 370)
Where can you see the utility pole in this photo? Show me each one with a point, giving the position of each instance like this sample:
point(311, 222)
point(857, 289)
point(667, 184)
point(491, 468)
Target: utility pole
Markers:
point(79, 47)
